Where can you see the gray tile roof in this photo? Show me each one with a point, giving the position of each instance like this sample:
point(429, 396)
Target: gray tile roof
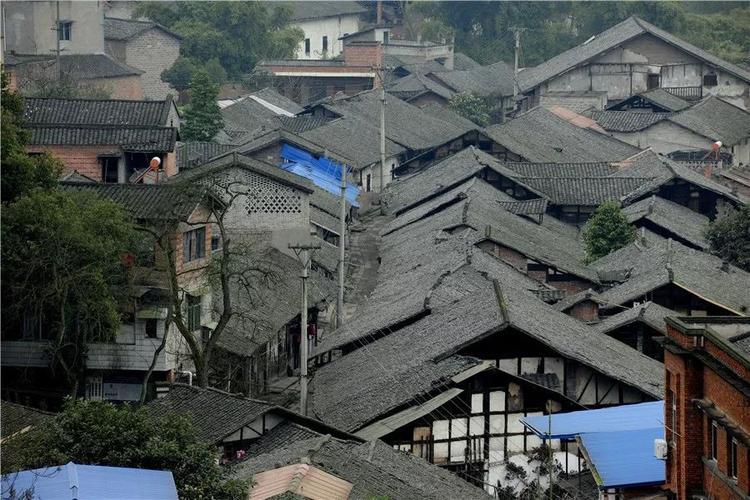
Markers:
point(589, 191)
point(664, 99)
point(305, 10)
point(717, 120)
point(648, 313)
point(463, 62)
point(17, 417)
point(146, 139)
point(541, 136)
point(537, 206)
point(79, 66)
point(494, 79)
point(415, 85)
point(592, 169)
point(113, 112)
point(125, 29)
point(375, 469)
point(194, 153)
point(270, 95)
point(626, 121)
point(406, 125)
point(628, 29)
point(442, 176)
point(446, 114)
point(354, 390)
point(146, 201)
point(215, 414)
point(576, 298)
point(675, 219)
point(698, 272)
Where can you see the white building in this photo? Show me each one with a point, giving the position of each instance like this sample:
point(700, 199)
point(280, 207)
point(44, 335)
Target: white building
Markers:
point(324, 23)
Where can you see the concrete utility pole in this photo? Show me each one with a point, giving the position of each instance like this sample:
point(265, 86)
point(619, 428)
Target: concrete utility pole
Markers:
point(517, 36)
point(342, 255)
point(57, 37)
point(382, 134)
point(303, 252)
point(549, 445)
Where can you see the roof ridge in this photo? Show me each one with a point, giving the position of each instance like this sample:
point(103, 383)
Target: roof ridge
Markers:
point(88, 99)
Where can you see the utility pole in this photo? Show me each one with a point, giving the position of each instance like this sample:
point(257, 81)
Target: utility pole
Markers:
point(549, 445)
point(303, 253)
point(342, 255)
point(517, 35)
point(57, 37)
point(382, 134)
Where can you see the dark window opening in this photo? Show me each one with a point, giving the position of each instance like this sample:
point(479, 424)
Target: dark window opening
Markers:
point(307, 46)
point(194, 244)
point(710, 80)
point(652, 81)
point(63, 30)
point(109, 169)
point(325, 44)
point(193, 312)
point(205, 334)
point(368, 183)
point(151, 328)
point(215, 241)
point(733, 459)
point(386, 37)
point(714, 440)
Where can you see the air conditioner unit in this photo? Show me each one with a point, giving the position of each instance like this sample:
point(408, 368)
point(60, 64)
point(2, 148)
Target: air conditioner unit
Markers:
point(660, 449)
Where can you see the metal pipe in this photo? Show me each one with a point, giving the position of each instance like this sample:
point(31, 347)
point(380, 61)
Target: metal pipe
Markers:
point(342, 244)
point(303, 337)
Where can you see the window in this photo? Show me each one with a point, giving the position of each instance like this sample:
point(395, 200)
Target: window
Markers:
point(63, 30)
point(109, 169)
point(307, 46)
point(386, 37)
point(733, 459)
point(368, 183)
point(215, 242)
point(714, 440)
point(710, 80)
point(194, 244)
point(673, 423)
point(652, 81)
point(325, 44)
point(151, 328)
point(193, 312)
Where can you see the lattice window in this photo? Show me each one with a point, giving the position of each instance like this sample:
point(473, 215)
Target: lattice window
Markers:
point(267, 197)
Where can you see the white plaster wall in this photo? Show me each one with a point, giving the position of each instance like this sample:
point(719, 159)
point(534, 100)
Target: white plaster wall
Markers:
point(664, 137)
point(333, 27)
point(87, 32)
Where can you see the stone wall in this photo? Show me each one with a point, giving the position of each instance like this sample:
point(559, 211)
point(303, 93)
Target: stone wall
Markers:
point(153, 51)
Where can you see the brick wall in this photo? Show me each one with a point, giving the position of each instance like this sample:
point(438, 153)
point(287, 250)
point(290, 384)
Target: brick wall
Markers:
point(585, 311)
point(152, 52)
point(367, 54)
point(84, 159)
point(124, 87)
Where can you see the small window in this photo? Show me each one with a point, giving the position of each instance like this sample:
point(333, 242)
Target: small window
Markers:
point(205, 334)
point(368, 183)
point(652, 81)
point(151, 328)
point(307, 46)
point(386, 37)
point(109, 169)
point(193, 312)
point(194, 244)
point(710, 80)
point(733, 459)
point(714, 440)
point(215, 241)
point(325, 44)
point(63, 30)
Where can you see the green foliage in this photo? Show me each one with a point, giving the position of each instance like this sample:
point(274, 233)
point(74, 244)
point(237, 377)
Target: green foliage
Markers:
point(236, 34)
point(729, 238)
point(471, 107)
point(20, 173)
point(482, 29)
point(203, 115)
point(606, 231)
point(96, 432)
point(184, 68)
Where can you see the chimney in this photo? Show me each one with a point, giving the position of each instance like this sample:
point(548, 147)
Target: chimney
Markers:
point(379, 12)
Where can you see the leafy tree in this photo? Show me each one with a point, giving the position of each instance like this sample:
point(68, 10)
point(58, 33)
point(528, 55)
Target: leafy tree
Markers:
point(729, 237)
point(203, 116)
point(606, 231)
point(180, 74)
point(99, 433)
point(59, 271)
point(20, 173)
point(237, 34)
point(472, 107)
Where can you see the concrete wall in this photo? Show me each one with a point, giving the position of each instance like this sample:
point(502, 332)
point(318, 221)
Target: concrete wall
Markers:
point(624, 71)
point(153, 52)
point(30, 27)
point(373, 171)
point(332, 27)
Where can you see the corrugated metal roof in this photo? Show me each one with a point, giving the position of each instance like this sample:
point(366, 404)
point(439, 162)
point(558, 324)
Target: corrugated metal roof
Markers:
point(619, 418)
point(622, 459)
point(93, 482)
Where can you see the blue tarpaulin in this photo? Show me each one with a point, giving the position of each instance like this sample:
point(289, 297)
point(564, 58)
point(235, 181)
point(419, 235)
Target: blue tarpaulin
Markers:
point(323, 172)
point(618, 441)
point(624, 458)
point(91, 482)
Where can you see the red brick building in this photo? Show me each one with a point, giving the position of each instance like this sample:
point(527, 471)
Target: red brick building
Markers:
point(107, 140)
point(707, 411)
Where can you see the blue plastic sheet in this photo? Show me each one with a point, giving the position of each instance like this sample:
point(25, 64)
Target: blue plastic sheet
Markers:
point(323, 172)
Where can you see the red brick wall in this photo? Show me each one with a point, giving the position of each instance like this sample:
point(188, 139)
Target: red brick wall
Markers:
point(587, 310)
point(84, 159)
point(368, 54)
point(124, 87)
point(572, 285)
